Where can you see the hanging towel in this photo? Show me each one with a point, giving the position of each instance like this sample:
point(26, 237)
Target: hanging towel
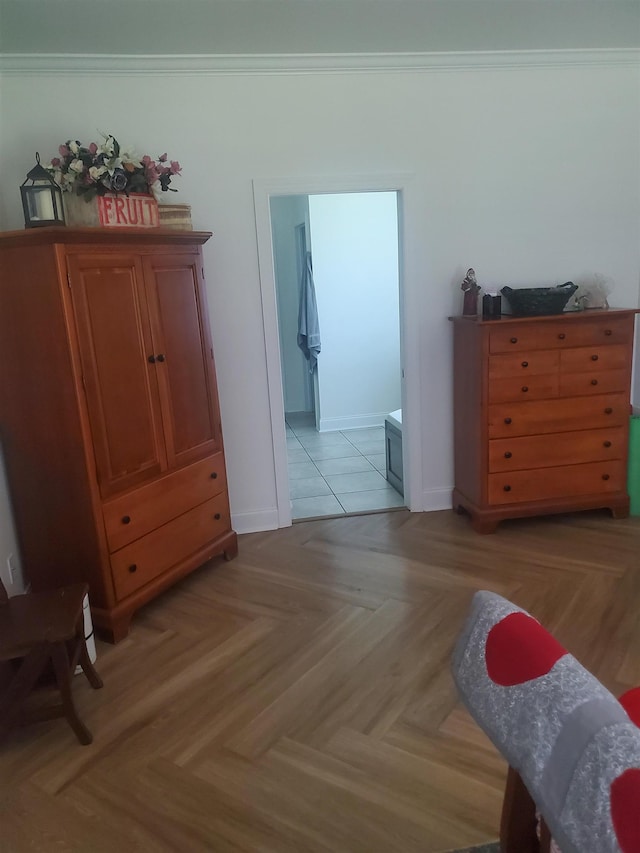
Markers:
point(308, 326)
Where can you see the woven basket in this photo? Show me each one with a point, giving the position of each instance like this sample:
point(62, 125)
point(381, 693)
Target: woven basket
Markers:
point(538, 301)
point(176, 216)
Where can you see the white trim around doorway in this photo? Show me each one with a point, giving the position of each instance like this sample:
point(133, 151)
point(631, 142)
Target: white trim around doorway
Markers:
point(410, 312)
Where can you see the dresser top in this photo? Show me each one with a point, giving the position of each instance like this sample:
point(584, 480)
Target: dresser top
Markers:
point(571, 316)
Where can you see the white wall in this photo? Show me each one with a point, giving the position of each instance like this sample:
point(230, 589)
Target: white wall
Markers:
point(530, 175)
point(354, 238)
point(287, 212)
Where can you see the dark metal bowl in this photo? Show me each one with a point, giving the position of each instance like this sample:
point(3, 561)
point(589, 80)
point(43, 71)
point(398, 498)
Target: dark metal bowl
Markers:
point(538, 301)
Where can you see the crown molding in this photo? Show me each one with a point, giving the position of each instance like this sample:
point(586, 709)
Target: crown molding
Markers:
point(216, 64)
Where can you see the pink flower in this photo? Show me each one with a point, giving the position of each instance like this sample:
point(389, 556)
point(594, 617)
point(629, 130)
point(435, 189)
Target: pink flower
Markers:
point(162, 157)
point(175, 167)
point(55, 162)
point(93, 148)
point(64, 151)
point(146, 160)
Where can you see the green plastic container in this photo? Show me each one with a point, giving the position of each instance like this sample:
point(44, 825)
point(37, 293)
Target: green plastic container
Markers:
point(633, 476)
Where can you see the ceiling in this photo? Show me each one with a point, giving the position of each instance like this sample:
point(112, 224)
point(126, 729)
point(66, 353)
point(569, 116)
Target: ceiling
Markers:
point(232, 27)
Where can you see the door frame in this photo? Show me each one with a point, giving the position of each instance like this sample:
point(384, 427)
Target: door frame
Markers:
point(410, 311)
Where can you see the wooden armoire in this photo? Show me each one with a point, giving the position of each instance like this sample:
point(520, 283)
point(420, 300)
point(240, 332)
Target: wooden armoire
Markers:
point(109, 416)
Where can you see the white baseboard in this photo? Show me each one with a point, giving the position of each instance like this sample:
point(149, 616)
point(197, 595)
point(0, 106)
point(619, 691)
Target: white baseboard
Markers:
point(373, 419)
point(256, 521)
point(437, 499)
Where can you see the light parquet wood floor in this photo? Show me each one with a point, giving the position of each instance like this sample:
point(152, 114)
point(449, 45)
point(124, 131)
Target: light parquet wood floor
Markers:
point(299, 698)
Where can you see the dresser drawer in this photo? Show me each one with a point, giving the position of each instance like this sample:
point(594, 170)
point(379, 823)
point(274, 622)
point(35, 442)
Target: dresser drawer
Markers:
point(523, 388)
point(594, 382)
point(561, 415)
point(523, 364)
point(601, 357)
point(570, 331)
point(565, 481)
point(145, 559)
point(565, 448)
point(131, 515)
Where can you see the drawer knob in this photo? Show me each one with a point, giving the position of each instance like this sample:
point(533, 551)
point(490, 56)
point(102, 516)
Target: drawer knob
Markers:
point(507, 488)
point(508, 454)
point(608, 410)
point(594, 358)
point(605, 476)
point(525, 388)
point(160, 357)
point(606, 444)
point(562, 336)
point(214, 475)
point(152, 359)
point(607, 332)
point(126, 519)
point(217, 516)
point(594, 381)
point(525, 364)
point(514, 340)
point(507, 420)
point(133, 568)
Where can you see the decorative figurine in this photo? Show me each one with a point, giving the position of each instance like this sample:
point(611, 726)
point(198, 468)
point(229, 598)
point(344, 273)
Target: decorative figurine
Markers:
point(471, 289)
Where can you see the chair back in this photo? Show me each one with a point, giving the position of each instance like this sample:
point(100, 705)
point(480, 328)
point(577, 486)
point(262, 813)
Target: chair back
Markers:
point(571, 741)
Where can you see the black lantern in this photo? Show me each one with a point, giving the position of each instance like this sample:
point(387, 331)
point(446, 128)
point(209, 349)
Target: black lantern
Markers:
point(41, 199)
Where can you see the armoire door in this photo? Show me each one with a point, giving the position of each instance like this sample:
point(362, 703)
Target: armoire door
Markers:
point(184, 356)
point(112, 321)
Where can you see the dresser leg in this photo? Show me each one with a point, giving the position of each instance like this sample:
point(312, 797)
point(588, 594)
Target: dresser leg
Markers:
point(619, 511)
point(483, 525)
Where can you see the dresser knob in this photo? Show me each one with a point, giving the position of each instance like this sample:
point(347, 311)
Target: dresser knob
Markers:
point(525, 388)
point(594, 358)
point(152, 359)
point(607, 332)
point(525, 364)
point(217, 516)
point(608, 410)
point(514, 340)
point(133, 568)
point(562, 336)
point(126, 519)
point(605, 476)
point(507, 488)
point(214, 475)
point(160, 357)
point(606, 444)
point(507, 420)
point(508, 454)
point(594, 381)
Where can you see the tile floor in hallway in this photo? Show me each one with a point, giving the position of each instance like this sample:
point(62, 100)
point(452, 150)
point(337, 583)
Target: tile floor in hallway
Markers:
point(336, 473)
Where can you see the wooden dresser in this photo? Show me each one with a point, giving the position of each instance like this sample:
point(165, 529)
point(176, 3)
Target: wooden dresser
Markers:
point(109, 415)
point(541, 414)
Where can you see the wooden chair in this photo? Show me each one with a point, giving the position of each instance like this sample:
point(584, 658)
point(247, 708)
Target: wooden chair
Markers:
point(39, 631)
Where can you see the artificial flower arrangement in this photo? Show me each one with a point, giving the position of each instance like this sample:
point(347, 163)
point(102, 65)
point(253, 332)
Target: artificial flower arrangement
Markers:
point(94, 170)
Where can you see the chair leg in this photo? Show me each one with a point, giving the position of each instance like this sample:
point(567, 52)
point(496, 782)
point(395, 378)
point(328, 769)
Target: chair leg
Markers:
point(518, 824)
point(87, 667)
point(20, 686)
point(62, 668)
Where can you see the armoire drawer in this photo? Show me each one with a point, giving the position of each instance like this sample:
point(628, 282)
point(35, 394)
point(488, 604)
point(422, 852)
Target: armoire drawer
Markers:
point(564, 448)
point(136, 513)
point(145, 559)
point(573, 331)
point(561, 415)
point(541, 484)
point(540, 387)
point(595, 382)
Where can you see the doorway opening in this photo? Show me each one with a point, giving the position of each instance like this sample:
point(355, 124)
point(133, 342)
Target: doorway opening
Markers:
point(339, 254)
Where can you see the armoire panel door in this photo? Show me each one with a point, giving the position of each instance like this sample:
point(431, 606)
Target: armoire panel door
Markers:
point(112, 321)
point(180, 331)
